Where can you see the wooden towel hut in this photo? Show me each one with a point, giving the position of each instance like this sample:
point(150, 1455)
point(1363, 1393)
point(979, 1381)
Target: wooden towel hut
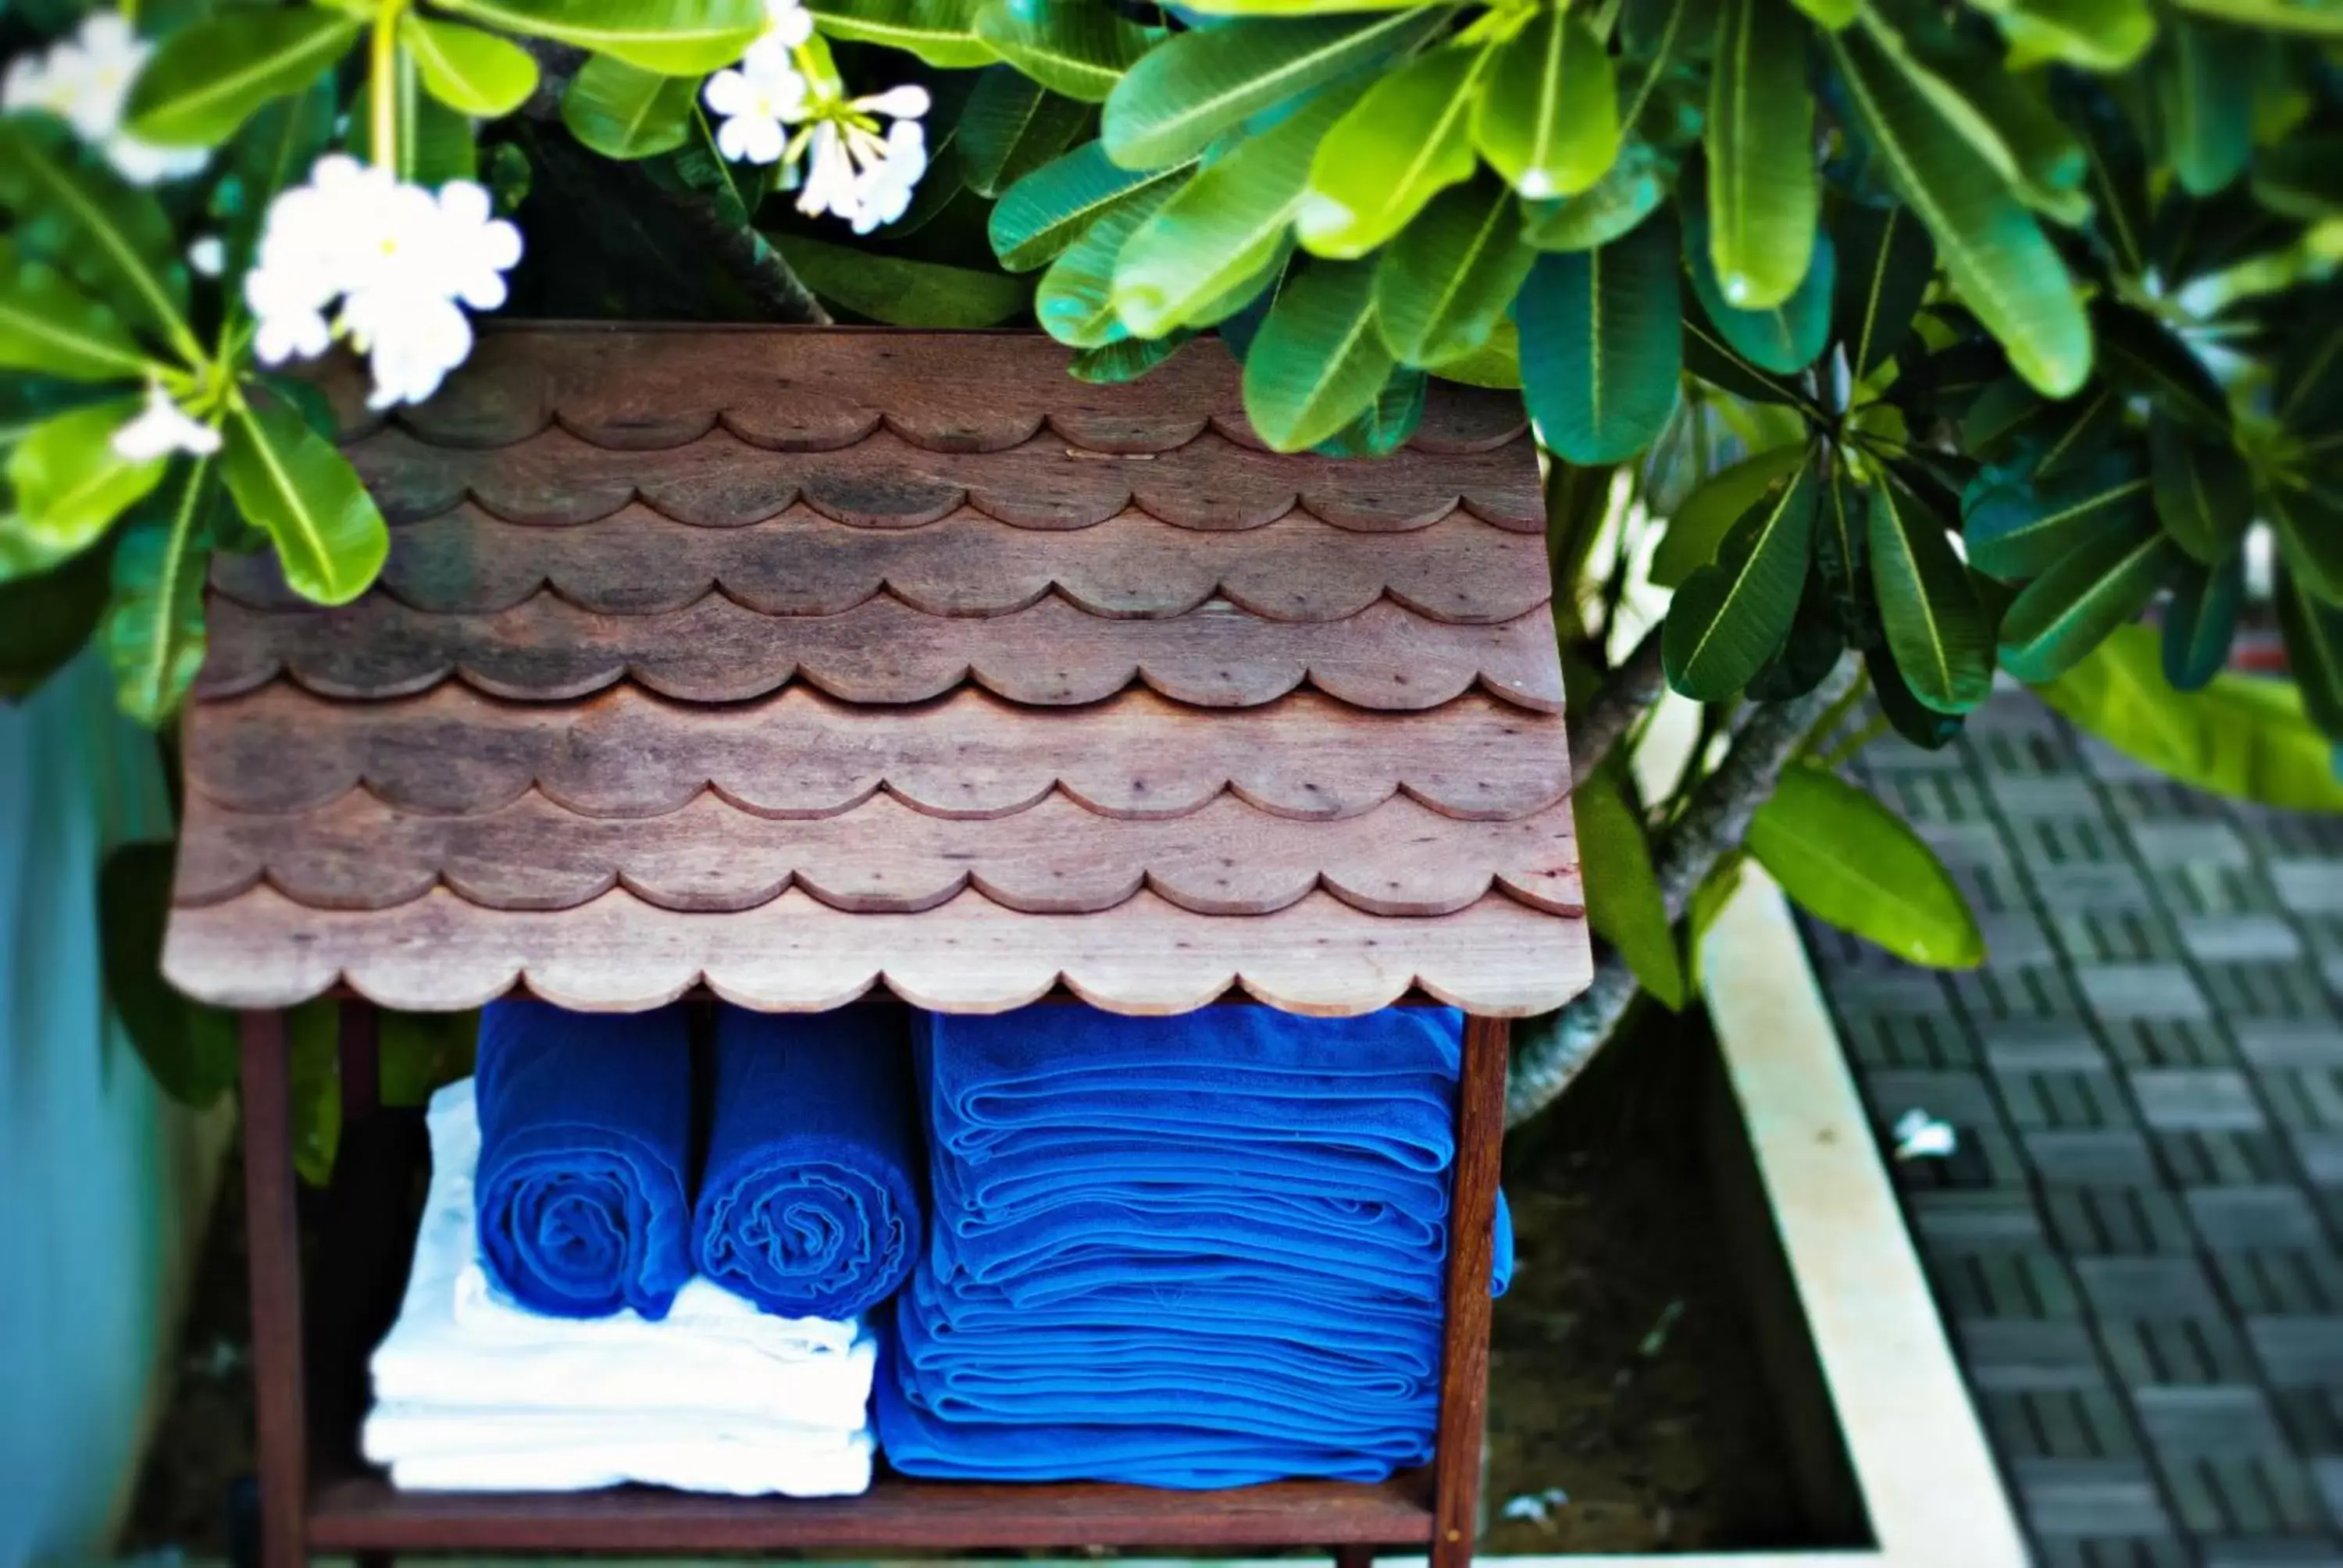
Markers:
point(783, 665)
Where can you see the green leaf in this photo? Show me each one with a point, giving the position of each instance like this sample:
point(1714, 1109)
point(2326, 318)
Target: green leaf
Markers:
point(1548, 119)
point(2243, 737)
point(2071, 433)
point(1941, 639)
point(2094, 35)
point(276, 149)
point(1297, 7)
point(1602, 344)
point(1783, 338)
point(1318, 361)
point(2204, 492)
point(1386, 423)
point(1112, 364)
point(1709, 356)
point(290, 482)
point(2072, 607)
point(1922, 726)
point(2015, 530)
point(1697, 531)
point(313, 1032)
point(2309, 527)
point(155, 621)
point(1764, 200)
point(50, 327)
point(1443, 285)
point(2203, 79)
point(1409, 138)
point(206, 80)
point(1623, 902)
point(1994, 251)
point(1225, 226)
point(1077, 48)
point(1042, 214)
point(1843, 554)
point(903, 293)
point(2301, 178)
point(1889, 264)
point(46, 614)
point(70, 486)
point(1845, 859)
point(2311, 18)
point(471, 72)
point(941, 31)
point(676, 38)
point(2313, 633)
point(623, 111)
point(1730, 617)
point(1075, 299)
point(1496, 364)
point(110, 237)
point(1011, 126)
point(190, 1049)
point(422, 1053)
point(435, 142)
point(1196, 85)
point(2201, 621)
point(2144, 359)
point(1631, 190)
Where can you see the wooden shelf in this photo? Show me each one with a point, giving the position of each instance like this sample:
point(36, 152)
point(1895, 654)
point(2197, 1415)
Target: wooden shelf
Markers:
point(363, 1513)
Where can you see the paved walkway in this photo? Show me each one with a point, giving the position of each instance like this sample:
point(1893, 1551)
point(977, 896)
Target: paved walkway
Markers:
point(2139, 1249)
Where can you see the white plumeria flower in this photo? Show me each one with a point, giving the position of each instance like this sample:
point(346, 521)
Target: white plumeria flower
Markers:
point(86, 81)
point(1920, 1136)
point(788, 22)
point(858, 174)
point(161, 428)
point(208, 254)
point(400, 260)
point(756, 98)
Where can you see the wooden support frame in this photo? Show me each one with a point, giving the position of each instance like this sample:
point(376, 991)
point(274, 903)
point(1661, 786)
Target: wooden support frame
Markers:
point(309, 1502)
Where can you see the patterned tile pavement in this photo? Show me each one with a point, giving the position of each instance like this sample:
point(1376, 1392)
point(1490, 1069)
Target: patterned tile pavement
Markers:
point(2139, 1246)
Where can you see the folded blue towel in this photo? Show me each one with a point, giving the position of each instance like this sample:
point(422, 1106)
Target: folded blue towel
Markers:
point(918, 1442)
point(809, 1205)
point(1189, 1252)
point(1384, 1083)
point(585, 1140)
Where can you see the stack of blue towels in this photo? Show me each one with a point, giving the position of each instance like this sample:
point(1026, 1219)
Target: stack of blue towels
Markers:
point(1196, 1252)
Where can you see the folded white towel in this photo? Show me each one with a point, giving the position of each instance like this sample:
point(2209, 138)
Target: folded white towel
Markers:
point(476, 1393)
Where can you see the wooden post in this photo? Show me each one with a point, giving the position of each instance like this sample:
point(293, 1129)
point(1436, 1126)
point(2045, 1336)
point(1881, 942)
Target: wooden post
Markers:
point(272, 1221)
point(1472, 1238)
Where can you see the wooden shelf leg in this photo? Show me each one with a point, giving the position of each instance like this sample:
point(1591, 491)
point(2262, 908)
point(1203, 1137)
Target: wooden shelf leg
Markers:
point(1464, 1357)
point(1354, 1557)
point(273, 1232)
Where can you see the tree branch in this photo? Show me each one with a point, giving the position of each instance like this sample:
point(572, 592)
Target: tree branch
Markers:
point(760, 269)
point(1549, 1051)
point(1626, 693)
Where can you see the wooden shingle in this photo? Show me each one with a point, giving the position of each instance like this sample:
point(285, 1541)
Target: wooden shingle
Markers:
point(793, 662)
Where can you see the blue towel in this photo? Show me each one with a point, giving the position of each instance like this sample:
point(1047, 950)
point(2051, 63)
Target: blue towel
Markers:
point(1191, 1251)
point(585, 1140)
point(809, 1205)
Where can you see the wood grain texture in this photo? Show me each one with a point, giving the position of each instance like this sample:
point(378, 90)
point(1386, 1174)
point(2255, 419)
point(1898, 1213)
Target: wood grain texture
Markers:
point(719, 480)
point(1497, 956)
point(362, 1512)
point(790, 389)
point(1464, 1351)
point(272, 1227)
point(1057, 858)
point(637, 562)
point(883, 651)
point(626, 753)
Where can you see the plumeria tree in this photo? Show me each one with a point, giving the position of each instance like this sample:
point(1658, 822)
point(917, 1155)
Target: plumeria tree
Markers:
point(1875, 348)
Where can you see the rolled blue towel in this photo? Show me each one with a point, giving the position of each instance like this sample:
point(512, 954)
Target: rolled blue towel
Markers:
point(811, 1200)
point(585, 1143)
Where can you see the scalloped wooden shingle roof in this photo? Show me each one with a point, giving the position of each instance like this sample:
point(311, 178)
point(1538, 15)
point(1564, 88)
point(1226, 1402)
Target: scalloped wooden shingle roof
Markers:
point(789, 662)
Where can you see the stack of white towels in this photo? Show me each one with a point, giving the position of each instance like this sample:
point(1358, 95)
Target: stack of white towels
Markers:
point(475, 1392)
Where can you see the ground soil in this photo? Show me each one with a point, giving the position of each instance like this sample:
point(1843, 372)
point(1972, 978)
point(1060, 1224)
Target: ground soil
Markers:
point(1627, 1410)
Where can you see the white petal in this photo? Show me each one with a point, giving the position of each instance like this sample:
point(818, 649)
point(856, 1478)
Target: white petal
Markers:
point(464, 203)
point(206, 255)
point(903, 103)
point(728, 93)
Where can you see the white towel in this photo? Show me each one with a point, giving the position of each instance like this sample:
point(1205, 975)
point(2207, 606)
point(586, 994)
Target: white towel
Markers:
point(474, 1391)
